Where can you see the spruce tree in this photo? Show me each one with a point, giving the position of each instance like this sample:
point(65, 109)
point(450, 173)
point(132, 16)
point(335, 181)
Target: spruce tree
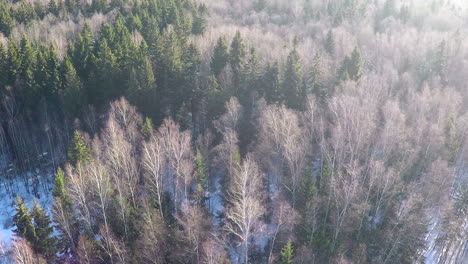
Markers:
point(14, 62)
point(147, 129)
point(104, 74)
point(287, 253)
point(23, 222)
point(355, 65)
point(199, 25)
point(330, 43)
point(45, 244)
point(72, 90)
point(78, 151)
point(237, 55)
point(293, 81)
point(6, 20)
point(201, 170)
point(59, 190)
point(3, 66)
point(272, 84)
point(220, 57)
point(81, 52)
point(53, 74)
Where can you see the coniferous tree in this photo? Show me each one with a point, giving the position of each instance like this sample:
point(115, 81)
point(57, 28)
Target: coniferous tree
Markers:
point(53, 8)
point(59, 190)
point(73, 97)
point(237, 55)
point(147, 129)
point(14, 62)
point(104, 74)
point(201, 170)
point(53, 74)
point(199, 25)
point(78, 151)
point(81, 52)
point(45, 244)
point(251, 72)
point(3, 66)
point(272, 84)
point(6, 21)
point(330, 43)
point(29, 92)
point(23, 222)
point(355, 64)
point(287, 253)
point(293, 80)
point(220, 57)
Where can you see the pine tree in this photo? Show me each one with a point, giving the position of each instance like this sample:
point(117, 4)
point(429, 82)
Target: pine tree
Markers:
point(293, 81)
point(78, 151)
point(287, 253)
point(23, 222)
point(220, 57)
point(330, 43)
point(45, 244)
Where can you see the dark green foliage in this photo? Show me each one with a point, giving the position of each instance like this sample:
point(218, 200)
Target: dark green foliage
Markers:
point(355, 66)
point(199, 25)
point(59, 190)
point(351, 69)
point(220, 57)
point(3, 66)
point(6, 21)
point(53, 8)
point(14, 63)
point(147, 129)
point(72, 91)
point(25, 13)
point(23, 222)
point(330, 43)
point(272, 84)
point(287, 253)
point(293, 87)
point(201, 170)
point(103, 76)
point(78, 151)
point(45, 244)
point(81, 52)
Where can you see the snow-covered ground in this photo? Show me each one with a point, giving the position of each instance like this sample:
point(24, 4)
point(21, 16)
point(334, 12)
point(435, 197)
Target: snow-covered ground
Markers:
point(10, 188)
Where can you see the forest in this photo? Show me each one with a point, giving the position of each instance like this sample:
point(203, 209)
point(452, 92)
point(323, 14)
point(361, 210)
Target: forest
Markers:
point(233, 131)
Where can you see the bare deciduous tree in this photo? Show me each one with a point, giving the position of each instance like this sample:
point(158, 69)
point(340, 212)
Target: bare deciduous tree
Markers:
point(246, 199)
point(23, 253)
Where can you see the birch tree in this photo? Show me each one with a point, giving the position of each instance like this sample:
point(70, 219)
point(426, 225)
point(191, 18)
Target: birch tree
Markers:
point(246, 199)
